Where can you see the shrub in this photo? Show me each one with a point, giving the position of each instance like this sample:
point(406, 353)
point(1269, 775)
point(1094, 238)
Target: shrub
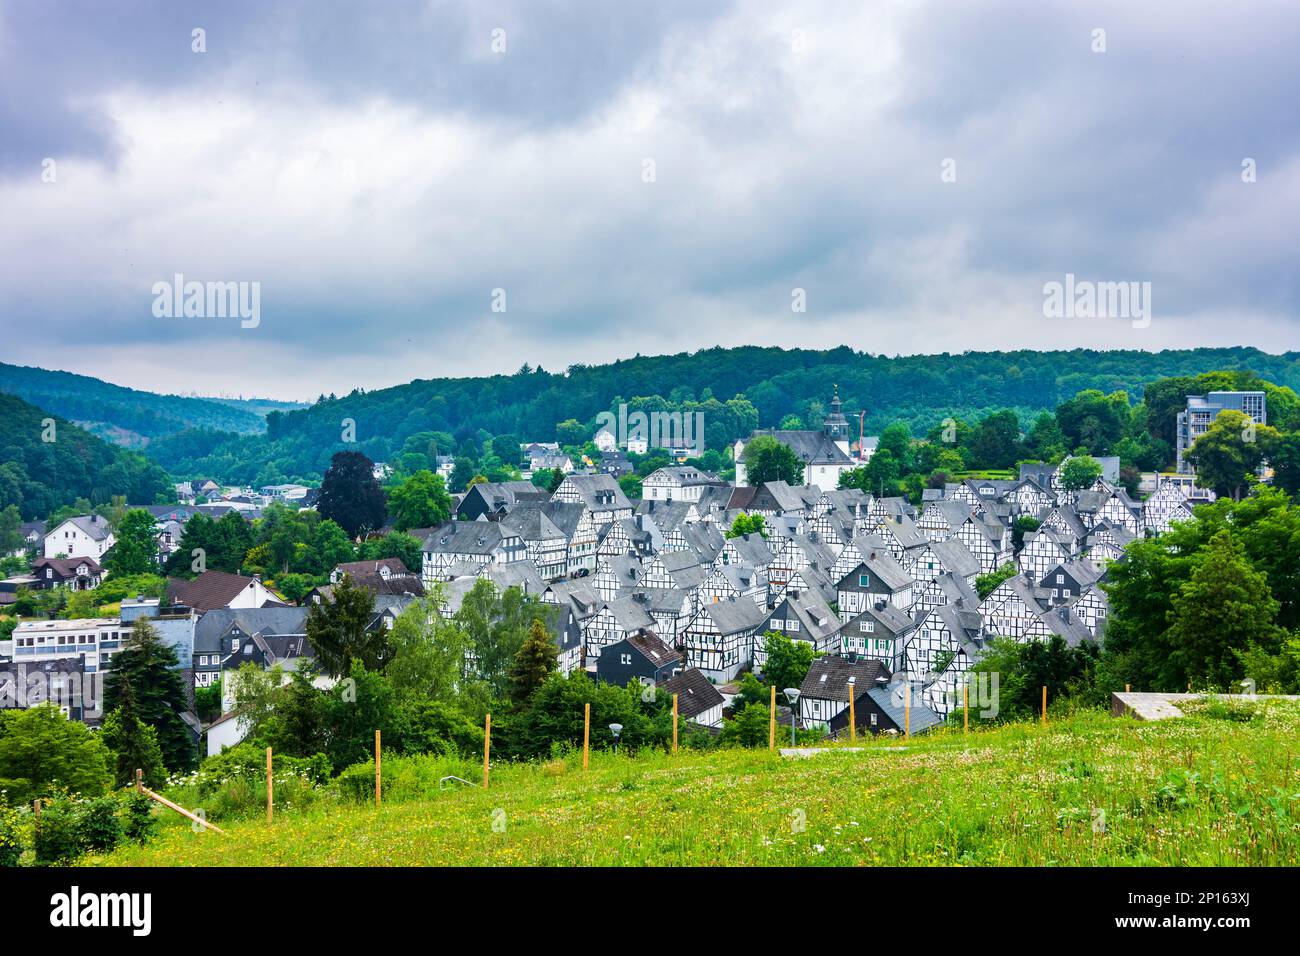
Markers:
point(232, 784)
point(98, 827)
point(1240, 711)
point(57, 832)
point(405, 777)
point(11, 844)
point(141, 824)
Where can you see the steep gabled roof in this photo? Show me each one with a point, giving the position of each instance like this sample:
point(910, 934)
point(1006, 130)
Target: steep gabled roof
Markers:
point(695, 694)
point(210, 591)
point(828, 677)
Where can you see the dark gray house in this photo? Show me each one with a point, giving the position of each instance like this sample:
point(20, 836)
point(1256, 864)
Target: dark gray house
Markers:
point(640, 656)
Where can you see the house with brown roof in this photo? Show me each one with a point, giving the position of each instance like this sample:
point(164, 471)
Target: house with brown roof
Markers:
point(824, 694)
point(213, 590)
point(697, 699)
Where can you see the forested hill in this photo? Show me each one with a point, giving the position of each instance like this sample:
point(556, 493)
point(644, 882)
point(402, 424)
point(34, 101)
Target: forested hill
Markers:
point(46, 463)
point(921, 390)
point(124, 416)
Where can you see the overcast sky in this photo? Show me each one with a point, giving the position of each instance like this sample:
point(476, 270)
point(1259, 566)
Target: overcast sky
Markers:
point(380, 169)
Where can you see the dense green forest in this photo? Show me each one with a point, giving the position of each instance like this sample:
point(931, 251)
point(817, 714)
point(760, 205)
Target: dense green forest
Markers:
point(736, 390)
point(126, 416)
point(47, 462)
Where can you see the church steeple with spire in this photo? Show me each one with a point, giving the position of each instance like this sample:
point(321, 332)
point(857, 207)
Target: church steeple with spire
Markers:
point(836, 426)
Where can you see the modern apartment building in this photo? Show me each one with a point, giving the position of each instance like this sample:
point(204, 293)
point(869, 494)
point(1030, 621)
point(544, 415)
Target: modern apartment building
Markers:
point(94, 640)
point(1202, 410)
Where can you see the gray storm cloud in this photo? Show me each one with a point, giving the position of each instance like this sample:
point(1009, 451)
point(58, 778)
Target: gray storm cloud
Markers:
point(919, 169)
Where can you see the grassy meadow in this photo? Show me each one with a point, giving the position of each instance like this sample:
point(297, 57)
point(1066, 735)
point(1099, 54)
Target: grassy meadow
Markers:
point(1219, 787)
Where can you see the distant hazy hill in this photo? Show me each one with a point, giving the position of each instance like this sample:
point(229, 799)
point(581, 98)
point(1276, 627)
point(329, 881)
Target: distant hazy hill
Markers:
point(258, 406)
point(44, 467)
point(921, 390)
point(126, 416)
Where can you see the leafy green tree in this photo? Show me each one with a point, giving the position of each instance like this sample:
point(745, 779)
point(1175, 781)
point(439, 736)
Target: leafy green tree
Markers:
point(986, 584)
point(1274, 670)
point(421, 501)
point(151, 670)
point(341, 631)
point(1094, 420)
point(11, 538)
point(997, 441)
point(330, 547)
point(752, 691)
point(462, 473)
point(353, 710)
point(1024, 669)
point(749, 727)
point(1230, 452)
point(428, 652)
point(1079, 473)
point(744, 524)
point(767, 459)
point(631, 485)
point(1223, 609)
point(571, 432)
point(554, 717)
point(787, 661)
point(1140, 648)
point(880, 476)
point(1045, 441)
point(136, 547)
point(405, 547)
point(42, 751)
point(497, 622)
point(207, 701)
point(350, 495)
point(1021, 527)
point(294, 587)
point(1285, 460)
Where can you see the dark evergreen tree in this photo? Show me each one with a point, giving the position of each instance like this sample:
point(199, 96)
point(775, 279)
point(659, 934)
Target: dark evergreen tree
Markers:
point(534, 662)
point(133, 742)
point(151, 670)
point(350, 495)
point(340, 630)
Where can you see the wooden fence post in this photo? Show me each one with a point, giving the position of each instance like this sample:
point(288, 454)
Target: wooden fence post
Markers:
point(487, 747)
point(139, 780)
point(771, 724)
point(379, 775)
point(270, 788)
point(965, 708)
point(853, 718)
point(674, 723)
point(907, 710)
point(181, 810)
point(1044, 705)
point(586, 734)
point(36, 807)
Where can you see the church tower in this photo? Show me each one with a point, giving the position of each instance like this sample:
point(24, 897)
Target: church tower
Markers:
point(836, 426)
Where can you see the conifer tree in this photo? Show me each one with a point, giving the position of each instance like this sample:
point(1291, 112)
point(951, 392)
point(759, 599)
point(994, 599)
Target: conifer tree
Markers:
point(151, 670)
point(533, 663)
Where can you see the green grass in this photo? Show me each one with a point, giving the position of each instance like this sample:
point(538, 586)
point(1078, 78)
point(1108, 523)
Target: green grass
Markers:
point(1203, 790)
